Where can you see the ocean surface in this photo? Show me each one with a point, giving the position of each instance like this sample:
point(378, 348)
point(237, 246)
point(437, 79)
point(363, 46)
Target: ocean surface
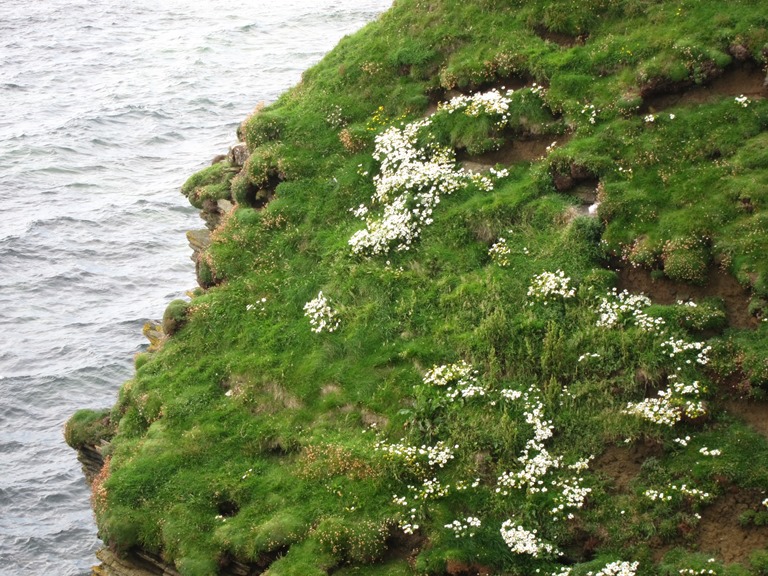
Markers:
point(106, 107)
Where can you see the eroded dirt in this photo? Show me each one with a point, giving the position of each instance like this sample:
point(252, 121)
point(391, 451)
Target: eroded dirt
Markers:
point(721, 534)
point(621, 464)
point(747, 80)
point(527, 148)
point(719, 285)
point(752, 412)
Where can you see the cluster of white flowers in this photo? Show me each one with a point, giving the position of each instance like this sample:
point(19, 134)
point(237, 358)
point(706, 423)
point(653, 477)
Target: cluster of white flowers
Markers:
point(261, 305)
point(535, 466)
point(681, 347)
point(510, 394)
point(765, 502)
point(500, 252)
point(321, 315)
point(549, 286)
point(588, 355)
point(660, 410)
point(680, 399)
point(437, 455)
point(464, 527)
point(707, 452)
point(522, 541)
point(572, 495)
point(694, 493)
point(430, 489)
point(668, 408)
point(742, 101)
point(413, 177)
point(535, 458)
point(459, 379)
point(462, 485)
point(492, 102)
point(407, 526)
point(449, 373)
point(682, 441)
point(699, 572)
point(650, 118)
point(591, 112)
point(655, 495)
point(618, 307)
point(625, 171)
point(617, 569)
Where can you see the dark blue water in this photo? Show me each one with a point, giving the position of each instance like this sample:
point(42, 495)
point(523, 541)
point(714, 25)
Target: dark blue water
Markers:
point(107, 107)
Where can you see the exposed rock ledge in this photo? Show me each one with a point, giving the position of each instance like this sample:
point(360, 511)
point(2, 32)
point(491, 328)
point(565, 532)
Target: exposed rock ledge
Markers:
point(132, 564)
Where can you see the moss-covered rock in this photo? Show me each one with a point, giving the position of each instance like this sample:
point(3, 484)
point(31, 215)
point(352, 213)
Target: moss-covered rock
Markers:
point(88, 428)
point(175, 316)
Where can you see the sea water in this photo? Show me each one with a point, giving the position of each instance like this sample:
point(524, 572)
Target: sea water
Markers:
point(106, 107)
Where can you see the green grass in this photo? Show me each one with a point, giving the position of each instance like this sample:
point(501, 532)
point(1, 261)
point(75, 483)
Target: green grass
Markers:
point(249, 436)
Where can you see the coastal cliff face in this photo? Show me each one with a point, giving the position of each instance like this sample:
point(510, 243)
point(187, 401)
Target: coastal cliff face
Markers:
point(486, 293)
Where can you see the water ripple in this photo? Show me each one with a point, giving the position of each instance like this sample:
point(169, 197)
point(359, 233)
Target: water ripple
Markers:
point(107, 109)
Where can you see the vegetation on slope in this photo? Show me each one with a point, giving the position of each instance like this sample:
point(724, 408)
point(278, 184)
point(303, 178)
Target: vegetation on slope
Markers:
point(399, 365)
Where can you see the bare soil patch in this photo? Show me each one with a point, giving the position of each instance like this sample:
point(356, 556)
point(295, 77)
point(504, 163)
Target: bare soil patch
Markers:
point(527, 148)
point(752, 412)
point(621, 464)
point(747, 80)
point(720, 533)
point(666, 291)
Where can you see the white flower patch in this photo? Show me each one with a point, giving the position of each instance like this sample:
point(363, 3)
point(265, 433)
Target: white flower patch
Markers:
point(413, 177)
point(321, 316)
point(572, 495)
point(462, 528)
point(682, 441)
point(656, 496)
point(261, 305)
point(693, 493)
point(678, 347)
point(742, 101)
point(657, 410)
point(438, 455)
point(459, 380)
point(509, 394)
point(707, 452)
point(522, 541)
point(500, 252)
point(551, 286)
point(590, 112)
point(617, 569)
point(699, 572)
point(620, 307)
point(430, 489)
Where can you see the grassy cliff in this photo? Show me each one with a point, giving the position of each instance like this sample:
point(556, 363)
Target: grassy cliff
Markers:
point(492, 300)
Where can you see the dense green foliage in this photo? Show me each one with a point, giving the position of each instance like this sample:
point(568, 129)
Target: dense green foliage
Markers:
point(260, 434)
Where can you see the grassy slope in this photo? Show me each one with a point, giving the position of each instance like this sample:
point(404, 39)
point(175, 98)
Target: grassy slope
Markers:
point(250, 436)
